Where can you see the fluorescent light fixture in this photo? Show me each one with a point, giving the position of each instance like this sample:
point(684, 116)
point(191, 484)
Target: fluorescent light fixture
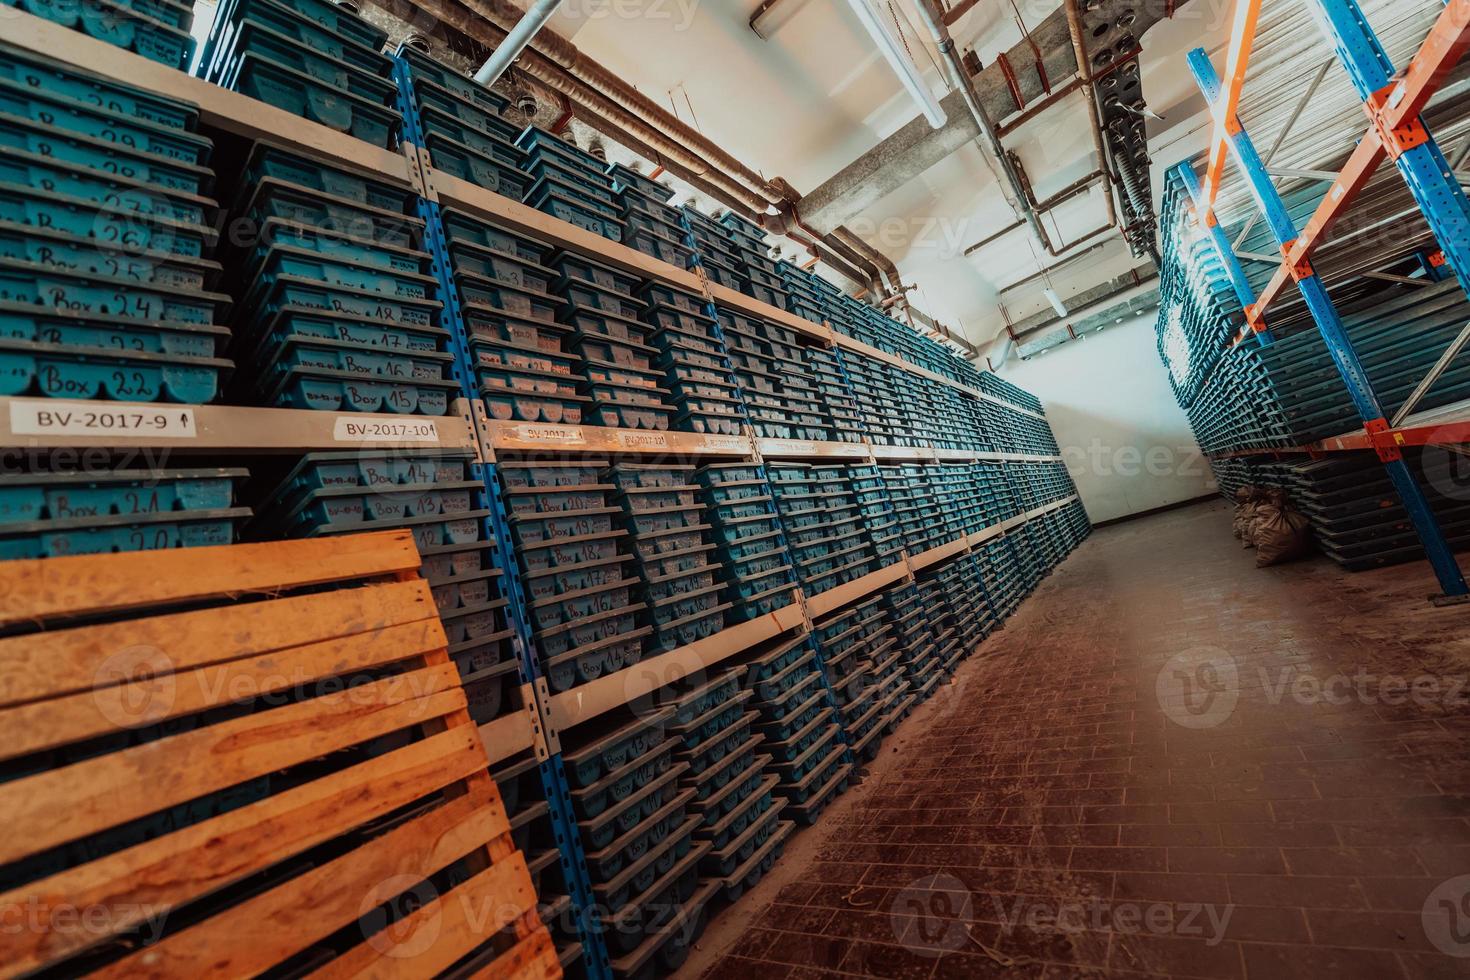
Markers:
point(1056, 302)
point(898, 59)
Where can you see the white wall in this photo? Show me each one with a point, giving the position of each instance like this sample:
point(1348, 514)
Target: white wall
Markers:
point(1125, 439)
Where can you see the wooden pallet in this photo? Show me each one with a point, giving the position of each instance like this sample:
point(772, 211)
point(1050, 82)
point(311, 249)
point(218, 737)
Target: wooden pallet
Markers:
point(191, 788)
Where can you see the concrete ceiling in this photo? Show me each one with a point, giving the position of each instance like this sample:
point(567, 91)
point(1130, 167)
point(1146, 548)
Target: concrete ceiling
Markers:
point(815, 95)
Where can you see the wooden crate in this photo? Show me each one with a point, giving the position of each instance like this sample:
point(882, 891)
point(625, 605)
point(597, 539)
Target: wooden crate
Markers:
point(216, 762)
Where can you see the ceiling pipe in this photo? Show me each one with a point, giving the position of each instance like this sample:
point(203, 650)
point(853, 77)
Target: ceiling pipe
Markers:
point(666, 128)
point(898, 59)
point(1011, 186)
point(1094, 117)
point(515, 42)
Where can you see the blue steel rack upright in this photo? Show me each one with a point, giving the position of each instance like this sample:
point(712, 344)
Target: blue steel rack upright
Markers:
point(546, 746)
point(1423, 166)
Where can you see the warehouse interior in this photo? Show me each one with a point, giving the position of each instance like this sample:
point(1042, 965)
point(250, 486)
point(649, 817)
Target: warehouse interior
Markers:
point(728, 488)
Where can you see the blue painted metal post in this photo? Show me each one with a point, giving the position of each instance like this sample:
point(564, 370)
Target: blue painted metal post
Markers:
point(1424, 167)
point(1224, 250)
point(553, 775)
point(1329, 323)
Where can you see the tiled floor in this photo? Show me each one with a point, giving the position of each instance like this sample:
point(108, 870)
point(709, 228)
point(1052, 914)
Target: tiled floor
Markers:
point(1168, 764)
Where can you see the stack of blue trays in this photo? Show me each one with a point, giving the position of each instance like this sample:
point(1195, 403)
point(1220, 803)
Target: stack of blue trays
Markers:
point(714, 250)
point(864, 664)
point(524, 365)
point(732, 780)
point(633, 814)
point(942, 622)
point(156, 29)
point(693, 361)
point(802, 732)
point(314, 58)
point(747, 532)
point(524, 797)
point(782, 400)
point(873, 386)
point(55, 514)
point(880, 518)
point(840, 413)
point(339, 311)
point(806, 295)
point(650, 223)
point(904, 605)
point(581, 595)
point(823, 523)
point(623, 386)
point(464, 126)
point(1001, 574)
point(570, 184)
point(760, 275)
point(106, 286)
point(435, 496)
point(963, 588)
point(904, 487)
point(681, 585)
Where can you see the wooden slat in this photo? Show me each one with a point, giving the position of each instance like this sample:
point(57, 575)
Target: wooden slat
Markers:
point(69, 803)
point(439, 934)
point(533, 958)
point(162, 874)
point(262, 931)
point(68, 661)
point(48, 588)
point(49, 724)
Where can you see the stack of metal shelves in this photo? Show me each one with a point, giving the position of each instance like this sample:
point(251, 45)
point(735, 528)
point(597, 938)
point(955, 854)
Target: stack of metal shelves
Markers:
point(570, 184)
point(801, 729)
point(585, 620)
point(651, 224)
point(759, 275)
point(637, 825)
point(313, 58)
point(618, 379)
point(782, 400)
point(682, 589)
point(829, 539)
point(336, 308)
point(715, 254)
point(913, 632)
point(693, 362)
point(864, 662)
point(749, 539)
point(520, 354)
point(463, 125)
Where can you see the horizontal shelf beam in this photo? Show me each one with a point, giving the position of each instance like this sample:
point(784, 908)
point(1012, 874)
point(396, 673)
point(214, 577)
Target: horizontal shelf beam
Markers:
point(612, 691)
point(1445, 426)
point(543, 436)
point(43, 423)
point(218, 107)
point(507, 735)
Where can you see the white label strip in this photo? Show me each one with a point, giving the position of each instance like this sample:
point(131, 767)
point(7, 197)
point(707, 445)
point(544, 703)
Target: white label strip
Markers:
point(378, 430)
point(60, 418)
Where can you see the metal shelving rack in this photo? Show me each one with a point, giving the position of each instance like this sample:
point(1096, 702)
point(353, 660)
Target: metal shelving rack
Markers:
point(1393, 102)
point(48, 424)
